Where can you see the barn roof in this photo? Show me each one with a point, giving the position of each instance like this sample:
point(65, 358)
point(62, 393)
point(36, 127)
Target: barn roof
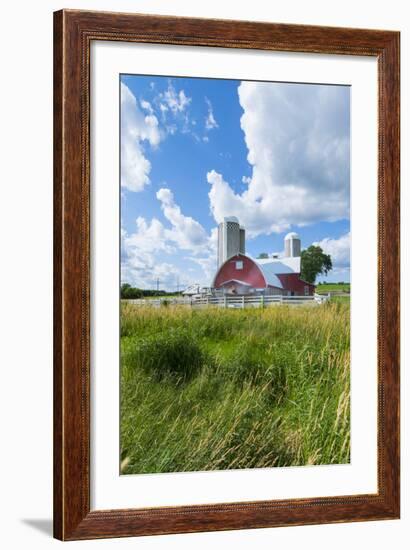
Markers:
point(279, 266)
point(270, 276)
point(271, 268)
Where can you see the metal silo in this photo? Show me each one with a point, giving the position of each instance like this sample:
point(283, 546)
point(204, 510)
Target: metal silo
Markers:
point(228, 239)
point(242, 240)
point(292, 245)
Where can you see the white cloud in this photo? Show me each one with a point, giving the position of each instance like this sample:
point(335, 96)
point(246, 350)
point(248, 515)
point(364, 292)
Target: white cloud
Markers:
point(186, 232)
point(176, 102)
point(174, 108)
point(208, 260)
point(208, 266)
point(339, 250)
point(144, 252)
point(142, 256)
point(148, 237)
point(149, 272)
point(255, 217)
point(210, 121)
point(298, 145)
point(136, 128)
point(147, 106)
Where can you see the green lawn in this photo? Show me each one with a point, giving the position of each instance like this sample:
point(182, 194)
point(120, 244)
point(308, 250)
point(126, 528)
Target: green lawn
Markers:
point(167, 297)
point(220, 389)
point(333, 287)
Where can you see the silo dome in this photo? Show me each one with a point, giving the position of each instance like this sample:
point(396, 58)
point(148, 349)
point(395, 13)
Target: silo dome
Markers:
point(233, 219)
point(292, 235)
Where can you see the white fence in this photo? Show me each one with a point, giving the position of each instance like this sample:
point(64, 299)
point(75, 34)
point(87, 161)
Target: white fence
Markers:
point(233, 301)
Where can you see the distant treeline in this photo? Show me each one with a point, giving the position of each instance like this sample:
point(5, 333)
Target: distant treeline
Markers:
point(129, 292)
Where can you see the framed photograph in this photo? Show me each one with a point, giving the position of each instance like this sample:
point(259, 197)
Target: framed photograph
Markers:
point(226, 275)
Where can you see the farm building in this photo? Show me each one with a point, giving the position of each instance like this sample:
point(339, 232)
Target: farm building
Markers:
point(239, 274)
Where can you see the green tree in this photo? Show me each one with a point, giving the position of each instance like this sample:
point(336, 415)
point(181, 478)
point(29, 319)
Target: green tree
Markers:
point(263, 256)
point(124, 289)
point(130, 293)
point(314, 262)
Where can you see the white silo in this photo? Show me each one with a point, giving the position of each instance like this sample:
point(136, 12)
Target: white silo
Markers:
point(242, 240)
point(292, 245)
point(229, 239)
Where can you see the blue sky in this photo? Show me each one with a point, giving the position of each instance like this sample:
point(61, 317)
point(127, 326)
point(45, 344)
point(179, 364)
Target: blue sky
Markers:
point(194, 150)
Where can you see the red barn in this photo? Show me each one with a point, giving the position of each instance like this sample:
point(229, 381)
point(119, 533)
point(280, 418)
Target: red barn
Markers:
point(241, 274)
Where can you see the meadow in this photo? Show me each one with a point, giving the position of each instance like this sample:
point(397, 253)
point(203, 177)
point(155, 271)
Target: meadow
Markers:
point(216, 389)
point(324, 288)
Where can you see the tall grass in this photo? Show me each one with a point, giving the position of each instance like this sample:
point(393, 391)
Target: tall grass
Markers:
point(221, 389)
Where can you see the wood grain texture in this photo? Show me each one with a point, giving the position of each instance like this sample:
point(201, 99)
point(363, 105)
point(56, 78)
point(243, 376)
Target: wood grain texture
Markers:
point(57, 291)
point(73, 33)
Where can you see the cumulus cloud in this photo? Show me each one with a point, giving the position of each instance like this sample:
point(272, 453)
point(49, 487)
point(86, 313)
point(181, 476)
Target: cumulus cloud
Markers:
point(255, 217)
point(339, 250)
point(147, 106)
point(174, 108)
point(172, 102)
point(208, 266)
point(142, 256)
point(210, 121)
point(298, 146)
point(136, 128)
point(186, 232)
point(144, 251)
point(146, 272)
point(176, 102)
point(207, 259)
point(148, 237)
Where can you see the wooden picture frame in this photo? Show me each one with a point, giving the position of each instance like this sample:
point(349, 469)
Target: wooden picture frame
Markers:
point(74, 32)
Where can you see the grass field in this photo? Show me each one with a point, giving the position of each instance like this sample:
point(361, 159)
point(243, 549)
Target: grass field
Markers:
point(341, 299)
point(333, 287)
point(224, 389)
point(161, 297)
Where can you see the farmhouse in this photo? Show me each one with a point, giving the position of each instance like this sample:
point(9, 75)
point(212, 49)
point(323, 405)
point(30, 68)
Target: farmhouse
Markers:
point(239, 274)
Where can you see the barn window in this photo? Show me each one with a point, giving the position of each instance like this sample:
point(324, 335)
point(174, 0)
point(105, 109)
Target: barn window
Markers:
point(306, 290)
point(239, 265)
